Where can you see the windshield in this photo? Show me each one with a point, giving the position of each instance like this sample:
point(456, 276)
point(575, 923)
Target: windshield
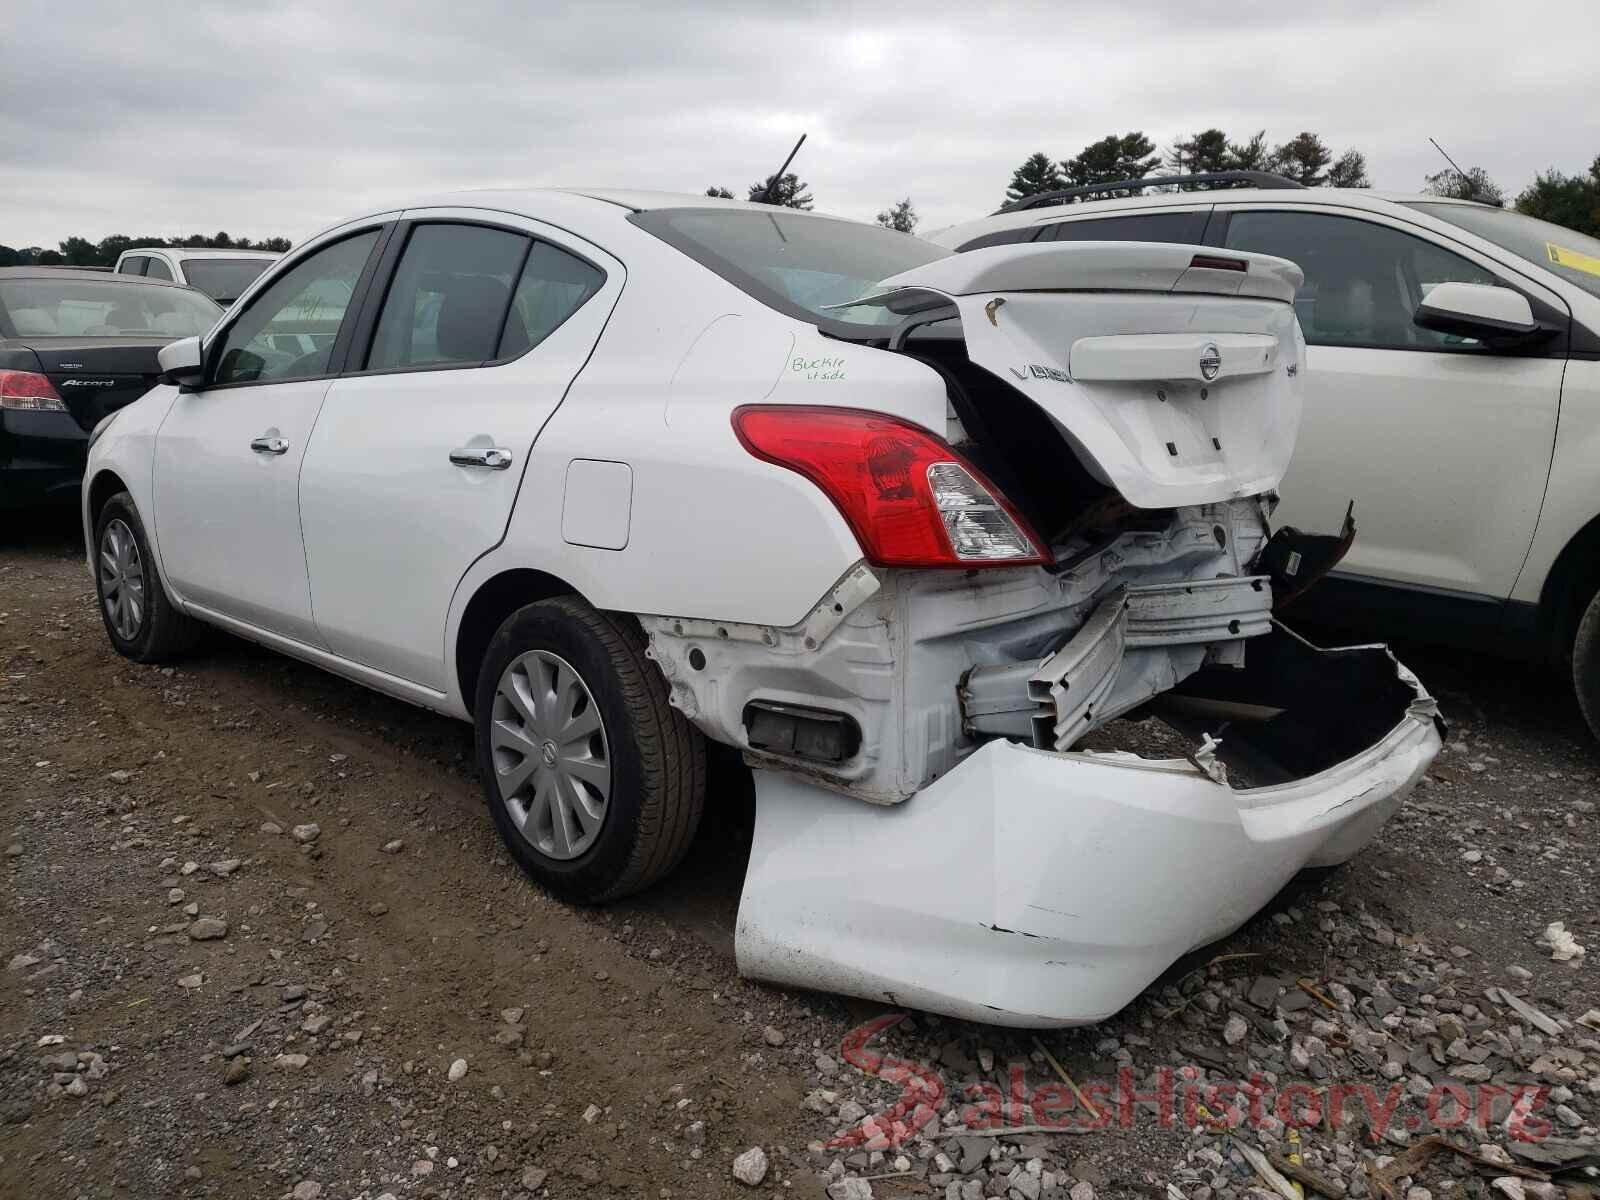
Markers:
point(76, 307)
point(223, 279)
point(793, 262)
point(1565, 252)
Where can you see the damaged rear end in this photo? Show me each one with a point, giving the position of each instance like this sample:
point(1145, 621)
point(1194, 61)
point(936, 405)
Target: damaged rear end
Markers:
point(1049, 734)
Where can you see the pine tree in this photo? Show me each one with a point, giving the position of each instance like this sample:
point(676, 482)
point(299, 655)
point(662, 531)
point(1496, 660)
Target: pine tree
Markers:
point(1112, 158)
point(902, 217)
point(788, 192)
point(1038, 173)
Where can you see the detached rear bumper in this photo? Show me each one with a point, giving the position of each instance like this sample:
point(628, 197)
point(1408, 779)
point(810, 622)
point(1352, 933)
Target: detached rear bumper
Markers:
point(1034, 888)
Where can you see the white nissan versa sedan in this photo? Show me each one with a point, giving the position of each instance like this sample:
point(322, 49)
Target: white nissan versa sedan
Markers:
point(610, 474)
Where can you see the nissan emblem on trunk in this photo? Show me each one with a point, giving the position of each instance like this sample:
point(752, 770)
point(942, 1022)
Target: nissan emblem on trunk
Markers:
point(1210, 361)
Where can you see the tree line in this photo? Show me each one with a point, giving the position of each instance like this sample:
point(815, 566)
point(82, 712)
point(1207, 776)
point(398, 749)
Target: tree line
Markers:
point(1570, 200)
point(81, 252)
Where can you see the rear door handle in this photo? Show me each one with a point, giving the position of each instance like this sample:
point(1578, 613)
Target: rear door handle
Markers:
point(270, 445)
point(496, 458)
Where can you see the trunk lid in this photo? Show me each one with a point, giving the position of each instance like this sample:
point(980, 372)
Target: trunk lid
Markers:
point(97, 376)
point(1172, 371)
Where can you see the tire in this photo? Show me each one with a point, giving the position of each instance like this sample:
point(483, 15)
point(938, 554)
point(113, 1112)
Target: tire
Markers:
point(560, 665)
point(1586, 665)
point(139, 618)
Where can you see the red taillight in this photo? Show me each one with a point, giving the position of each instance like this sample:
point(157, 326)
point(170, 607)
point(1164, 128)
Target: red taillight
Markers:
point(910, 499)
point(30, 391)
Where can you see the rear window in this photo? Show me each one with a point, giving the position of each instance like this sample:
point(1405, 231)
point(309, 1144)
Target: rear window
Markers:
point(795, 263)
point(223, 279)
point(71, 307)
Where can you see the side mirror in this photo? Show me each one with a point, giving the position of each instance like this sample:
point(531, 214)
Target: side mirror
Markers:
point(1477, 310)
point(181, 362)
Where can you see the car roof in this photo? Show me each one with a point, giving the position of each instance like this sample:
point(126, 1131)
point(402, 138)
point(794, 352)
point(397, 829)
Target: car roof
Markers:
point(620, 201)
point(200, 252)
point(1365, 198)
point(103, 276)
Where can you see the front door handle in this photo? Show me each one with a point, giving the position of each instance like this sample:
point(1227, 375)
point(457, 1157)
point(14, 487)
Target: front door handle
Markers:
point(270, 445)
point(496, 458)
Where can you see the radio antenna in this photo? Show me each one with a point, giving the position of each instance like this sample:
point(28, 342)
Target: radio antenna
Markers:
point(773, 180)
point(1472, 187)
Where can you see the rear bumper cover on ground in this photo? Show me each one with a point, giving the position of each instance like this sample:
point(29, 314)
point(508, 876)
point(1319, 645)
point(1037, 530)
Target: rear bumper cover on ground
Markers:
point(1033, 888)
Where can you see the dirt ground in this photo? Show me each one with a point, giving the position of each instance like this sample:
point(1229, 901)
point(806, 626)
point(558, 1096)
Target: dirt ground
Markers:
point(308, 1049)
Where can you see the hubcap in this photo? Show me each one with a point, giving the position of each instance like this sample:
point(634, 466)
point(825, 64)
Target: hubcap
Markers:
point(552, 763)
point(122, 580)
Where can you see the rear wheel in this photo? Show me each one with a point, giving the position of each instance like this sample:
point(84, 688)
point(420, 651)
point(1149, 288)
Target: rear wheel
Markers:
point(1586, 665)
point(594, 781)
point(140, 621)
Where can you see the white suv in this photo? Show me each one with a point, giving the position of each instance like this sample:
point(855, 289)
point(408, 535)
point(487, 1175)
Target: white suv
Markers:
point(1453, 391)
point(613, 475)
point(220, 274)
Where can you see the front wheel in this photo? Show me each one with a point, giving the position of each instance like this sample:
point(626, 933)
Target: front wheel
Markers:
point(594, 781)
point(1586, 665)
point(140, 621)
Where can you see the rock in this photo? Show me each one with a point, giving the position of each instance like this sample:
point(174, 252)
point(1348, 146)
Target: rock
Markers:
point(850, 1189)
point(188, 868)
point(191, 910)
point(208, 929)
point(422, 1167)
point(14, 850)
point(175, 896)
point(592, 1114)
point(77, 1087)
point(377, 908)
point(120, 776)
point(772, 1036)
point(307, 1189)
point(1235, 1030)
point(306, 834)
point(850, 1112)
point(533, 1178)
point(190, 982)
point(512, 1016)
point(291, 1062)
point(238, 1071)
point(1082, 1190)
point(316, 1024)
point(271, 828)
point(21, 962)
point(458, 1070)
point(192, 1174)
point(394, 846)
point(750, 1168)
point(294, 992)
point(226, 867)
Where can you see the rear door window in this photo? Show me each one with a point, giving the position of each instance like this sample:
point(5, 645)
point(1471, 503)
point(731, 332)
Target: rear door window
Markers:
point(449, 299)
point(1187, 228)
point(157, 269)
point(132, 266)
point(1363, 280)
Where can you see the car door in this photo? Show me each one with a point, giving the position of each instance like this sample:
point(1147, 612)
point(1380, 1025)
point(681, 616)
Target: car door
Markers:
point(228, 455)
point(1443, 443)
point(421, 447)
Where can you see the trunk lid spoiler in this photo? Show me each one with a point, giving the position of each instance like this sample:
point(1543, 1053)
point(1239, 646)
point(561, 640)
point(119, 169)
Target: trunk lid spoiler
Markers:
point(1171, 370)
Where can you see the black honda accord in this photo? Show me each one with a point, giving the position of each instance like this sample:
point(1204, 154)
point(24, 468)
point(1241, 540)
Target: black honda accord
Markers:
point(75, 346)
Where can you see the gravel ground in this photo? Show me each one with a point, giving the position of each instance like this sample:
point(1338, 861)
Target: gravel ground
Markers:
point(259, 940)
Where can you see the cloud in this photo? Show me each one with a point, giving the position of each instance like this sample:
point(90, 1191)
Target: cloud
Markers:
point(284, 119)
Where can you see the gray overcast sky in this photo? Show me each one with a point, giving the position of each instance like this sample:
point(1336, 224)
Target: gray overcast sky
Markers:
point(266, 118)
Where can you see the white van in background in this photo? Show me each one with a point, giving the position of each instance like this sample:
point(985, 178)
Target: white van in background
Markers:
point(220, 274)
